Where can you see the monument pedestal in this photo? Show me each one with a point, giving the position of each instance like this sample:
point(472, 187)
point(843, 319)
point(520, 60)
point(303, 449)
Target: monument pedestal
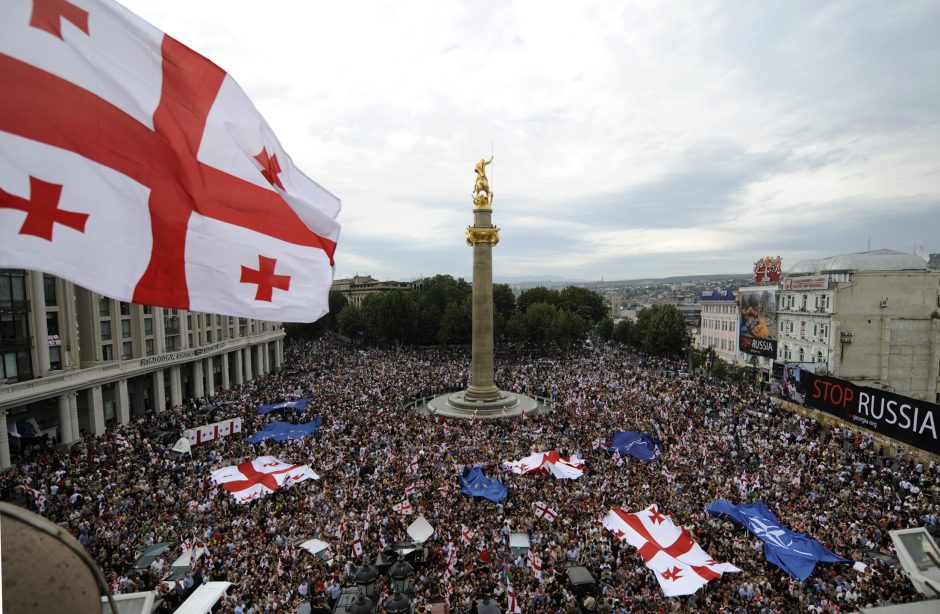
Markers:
point(459, 405)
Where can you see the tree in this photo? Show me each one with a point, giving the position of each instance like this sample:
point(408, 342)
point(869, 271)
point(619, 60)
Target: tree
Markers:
point(429, 324)
point(622, 332)
point(456, 325)
point(568, 328)
point(586, 303)
point(351, 323)
point(396, 317)
point(539, 319)
point(504, 306)
point(539, 294)
point(605, 328)
point(660, 329)
point(309, 330)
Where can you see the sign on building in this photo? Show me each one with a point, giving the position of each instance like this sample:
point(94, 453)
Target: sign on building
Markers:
point(807, 282)
point(757, 322)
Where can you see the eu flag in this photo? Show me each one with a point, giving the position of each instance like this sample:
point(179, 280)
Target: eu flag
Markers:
point(475, 484)
point(795, 553)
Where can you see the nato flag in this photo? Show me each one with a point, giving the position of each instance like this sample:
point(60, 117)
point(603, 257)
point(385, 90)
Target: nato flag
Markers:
point(636, 444)
point(795, 553)
point(475, 484)
point(283, 431)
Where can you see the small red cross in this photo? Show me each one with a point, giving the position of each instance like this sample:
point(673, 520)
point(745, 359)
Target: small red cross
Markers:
point(48, 15)
point(270, 167)
point(710, 562)
point(265, 278)
point(672, 574)
point(42, 210)
point(656, 516)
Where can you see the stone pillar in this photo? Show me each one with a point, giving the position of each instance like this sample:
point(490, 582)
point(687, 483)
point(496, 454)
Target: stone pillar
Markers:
point(122, 402)
point(279, 354)
point(139, 409)
point(95, 411)
point(65, 420)
point(184, 329)
point(482, 236)
point(259, 358)
point(73, 415)
point(4, 441)
point(37, 308)
point(226, 379)
point(159, 392)
point(198, 390)
point(176, 387)
point(248, 375)
point(239, 368)
point(210, 376)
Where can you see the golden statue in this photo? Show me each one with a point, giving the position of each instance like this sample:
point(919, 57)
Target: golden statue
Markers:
point(482, 197)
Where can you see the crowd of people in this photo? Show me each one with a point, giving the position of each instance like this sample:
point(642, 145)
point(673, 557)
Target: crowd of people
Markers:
point(126, 490)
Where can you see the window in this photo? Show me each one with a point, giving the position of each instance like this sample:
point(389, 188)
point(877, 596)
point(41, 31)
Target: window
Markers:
point(126, 350)
point(125, 309)
point(148, 326)
point(14, 325)
point(104, 306)
point(55, 358)
point(48, 286)
point(208, 336)
point(52, 323)
point(801, 354)
point(106, 330)
point(148, 344)
point(125, 327)
point(107, 353)
point(148, 310)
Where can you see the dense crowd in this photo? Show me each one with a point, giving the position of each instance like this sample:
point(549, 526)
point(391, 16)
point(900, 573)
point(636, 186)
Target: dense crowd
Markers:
point(124, 491)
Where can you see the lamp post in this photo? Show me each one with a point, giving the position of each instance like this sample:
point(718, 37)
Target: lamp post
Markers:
point(398, 603)
point(366, 577)
point(362, 605)
point(400, 573)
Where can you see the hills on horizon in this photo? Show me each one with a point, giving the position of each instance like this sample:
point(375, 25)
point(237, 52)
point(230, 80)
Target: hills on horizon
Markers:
point(554, 280)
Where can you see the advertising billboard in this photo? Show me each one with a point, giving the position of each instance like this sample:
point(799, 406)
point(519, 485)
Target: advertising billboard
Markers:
point(757, 322)
point(806, 282)
point(767, 269)
point(902, 418)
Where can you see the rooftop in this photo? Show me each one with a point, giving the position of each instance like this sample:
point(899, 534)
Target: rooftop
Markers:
point(875, 260)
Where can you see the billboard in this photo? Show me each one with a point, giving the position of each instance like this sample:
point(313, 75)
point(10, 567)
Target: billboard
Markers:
point(768, 269)
point(757, 322)
point(902, 418)
point(806, 282)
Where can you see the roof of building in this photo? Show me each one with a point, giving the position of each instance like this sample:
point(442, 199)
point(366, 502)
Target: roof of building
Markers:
point(875, 260)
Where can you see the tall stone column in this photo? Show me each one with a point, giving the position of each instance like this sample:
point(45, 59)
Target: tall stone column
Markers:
point(210, 377)
point(248, 370)
point(176, 387)
point(226, 379)
point(73, 415)
point(482, 236)
point(259, 359)
point(65, 420)
point(95, 411)
point(122, 402)
point(198, 389)
point(159, 392)
point(4, 441)
point(239, 368)
point(38, 314)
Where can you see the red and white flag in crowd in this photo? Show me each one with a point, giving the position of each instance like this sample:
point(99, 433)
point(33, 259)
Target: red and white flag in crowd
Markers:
point(413, 466)
point(39, 499)
point(618, 460)
point(450, 570)
point(512, 605)
point(139, 169)
point(543, 511)
point(535, 563)
point(410, 490)
point(403, 508)
point(262, 476)
point(357, 548)
point(680, 564)
point(466, 535)
point(562, 467)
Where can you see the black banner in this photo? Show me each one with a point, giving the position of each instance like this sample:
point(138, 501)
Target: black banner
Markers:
point(758, 347)
point(909, 420)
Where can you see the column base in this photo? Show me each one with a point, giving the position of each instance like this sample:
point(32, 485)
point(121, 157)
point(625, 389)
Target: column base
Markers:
point(507, 405)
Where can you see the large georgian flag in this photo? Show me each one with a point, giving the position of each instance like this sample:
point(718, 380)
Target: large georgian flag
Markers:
point(562, 467)
point(680, 564)
point(254, 479)
point(137, 168)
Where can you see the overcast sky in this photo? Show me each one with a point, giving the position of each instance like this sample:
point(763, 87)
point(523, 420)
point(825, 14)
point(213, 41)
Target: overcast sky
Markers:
point(651, 139)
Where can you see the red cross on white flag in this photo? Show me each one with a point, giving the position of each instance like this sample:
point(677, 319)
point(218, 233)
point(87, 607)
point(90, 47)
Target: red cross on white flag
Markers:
point(254, 479)
point(543, 511)
point(139, 169)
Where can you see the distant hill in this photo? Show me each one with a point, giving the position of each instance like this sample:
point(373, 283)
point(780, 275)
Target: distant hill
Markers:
point(536, 280)
point(553, 281)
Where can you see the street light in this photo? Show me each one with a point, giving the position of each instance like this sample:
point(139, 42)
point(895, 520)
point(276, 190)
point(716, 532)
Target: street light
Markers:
point(398, 604)
point(366, 577)
point(400, 573)
point(362, 605)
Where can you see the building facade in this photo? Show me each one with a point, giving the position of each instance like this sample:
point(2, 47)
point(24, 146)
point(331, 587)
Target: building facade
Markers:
point(719, 324)
point(872, 318)
point(72, 360)
point(357, 288)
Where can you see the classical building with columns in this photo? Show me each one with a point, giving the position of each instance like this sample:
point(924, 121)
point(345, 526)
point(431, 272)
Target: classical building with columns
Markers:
point(72, 360)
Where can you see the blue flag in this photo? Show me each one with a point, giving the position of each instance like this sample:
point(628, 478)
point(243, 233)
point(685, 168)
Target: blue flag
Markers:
point(282, 431)
point(795, 553)
point(475, 484)
point(298, 405)
point(636, 444)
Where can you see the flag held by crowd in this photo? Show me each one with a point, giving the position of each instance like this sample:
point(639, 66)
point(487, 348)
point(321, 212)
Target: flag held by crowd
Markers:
point(254, 479)
point(139, 169)
point(794, 553)
point(640, 445)
point(562, 467)
point(680, 564)
point(296, 404)
point(543, 511)
point(475, 484)
point(284, 431)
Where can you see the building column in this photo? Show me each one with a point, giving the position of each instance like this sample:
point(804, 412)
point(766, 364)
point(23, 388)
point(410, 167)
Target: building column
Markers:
point(259, 356)
point(159, 394)
point(4, 441)
point(239, 368)
point(198, 390)
point(139, 409)
point(65, 420)
point(37, 306)
point(278, 354)
point(122, 402)
point(176, 389)
point(210, 376)
point(248, 375)
point(73, 415)
point(226, 380)
point(184, 329)
point(95, 411)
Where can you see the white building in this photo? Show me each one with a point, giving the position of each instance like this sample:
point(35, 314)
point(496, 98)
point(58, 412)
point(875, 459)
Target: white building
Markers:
point(719, 324)
point(73, 360)
point(872, 318)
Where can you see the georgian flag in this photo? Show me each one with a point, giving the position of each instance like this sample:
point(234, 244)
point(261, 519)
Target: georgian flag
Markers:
point(410, 490)
point(466, 535)
point(254, 479)
point(543, 511)
point(535, 563)
point(680, 564)
point(513, 605)
point(562, 467)
point(135, 167)
point(413, 466)
point(357, 548)
point(403, 508)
